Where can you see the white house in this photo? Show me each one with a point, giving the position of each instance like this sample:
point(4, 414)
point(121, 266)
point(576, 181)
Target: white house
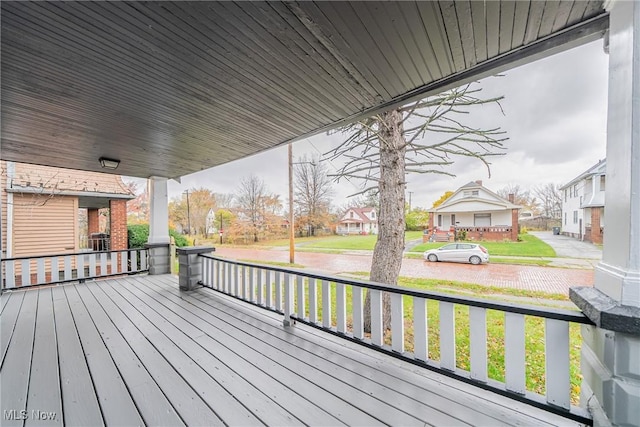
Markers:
point(583, 204)
point(477, 211)
point(358, 221)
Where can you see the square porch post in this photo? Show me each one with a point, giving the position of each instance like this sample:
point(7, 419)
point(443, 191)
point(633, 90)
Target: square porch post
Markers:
point(611, 348)
point(158, 243)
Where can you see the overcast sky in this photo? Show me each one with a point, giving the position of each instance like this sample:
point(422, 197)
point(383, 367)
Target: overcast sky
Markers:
point(554, 115)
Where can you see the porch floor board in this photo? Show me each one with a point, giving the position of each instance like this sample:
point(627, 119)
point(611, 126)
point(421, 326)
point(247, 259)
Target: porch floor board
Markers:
point(137, 350)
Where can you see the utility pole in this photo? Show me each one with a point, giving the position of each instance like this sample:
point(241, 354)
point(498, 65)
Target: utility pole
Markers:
point(410, 193)
point(188, 212)
point(221, 229)
point(292, 255)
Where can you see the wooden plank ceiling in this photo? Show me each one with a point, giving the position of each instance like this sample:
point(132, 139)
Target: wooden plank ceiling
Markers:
point(170, 88)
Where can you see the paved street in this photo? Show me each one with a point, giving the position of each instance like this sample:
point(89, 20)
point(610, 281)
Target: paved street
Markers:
point(533, 278)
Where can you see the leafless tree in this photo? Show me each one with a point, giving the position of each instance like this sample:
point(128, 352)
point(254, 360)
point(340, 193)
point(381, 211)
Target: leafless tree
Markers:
point(521, 196)
point(250, 198)
point(313, 192)
point(550, 199)
point(424, 136)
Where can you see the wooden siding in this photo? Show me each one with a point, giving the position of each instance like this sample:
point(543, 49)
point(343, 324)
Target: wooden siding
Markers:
point(171, 88)
point(137, 351)
point(44, 225)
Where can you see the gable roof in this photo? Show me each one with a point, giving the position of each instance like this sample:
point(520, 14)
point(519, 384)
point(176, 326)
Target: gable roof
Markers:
point(597, 169)
point(361, 213)
point(496, 200)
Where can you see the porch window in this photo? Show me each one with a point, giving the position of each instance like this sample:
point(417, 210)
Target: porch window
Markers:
point(439, 220)
point(453, 220)
point(482, 220)
point(602, 182)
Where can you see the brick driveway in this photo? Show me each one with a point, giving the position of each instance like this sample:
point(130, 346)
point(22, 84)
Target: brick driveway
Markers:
point(533, 278)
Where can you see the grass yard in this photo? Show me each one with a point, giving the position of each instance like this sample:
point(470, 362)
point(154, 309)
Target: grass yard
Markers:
point(530, 246)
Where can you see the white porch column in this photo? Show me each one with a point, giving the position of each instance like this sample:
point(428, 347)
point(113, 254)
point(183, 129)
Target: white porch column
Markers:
point(611, 349)
point(158, 243)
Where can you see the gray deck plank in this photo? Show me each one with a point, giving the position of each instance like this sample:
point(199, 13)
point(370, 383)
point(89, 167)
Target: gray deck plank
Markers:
point(79, 401)
point(470, 408)
point(258, 400)
point(151, 402)
point(4, 299)
point(215, 360)
point(9, 319)
point(115, 401)
point(228, 407)
point(380, 400)
point(284, 384)
point(44, 403)
point(192, 409)
point(17, 363)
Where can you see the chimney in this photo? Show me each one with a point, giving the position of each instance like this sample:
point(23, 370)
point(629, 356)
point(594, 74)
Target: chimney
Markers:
point(479, 182)
point(512, 198)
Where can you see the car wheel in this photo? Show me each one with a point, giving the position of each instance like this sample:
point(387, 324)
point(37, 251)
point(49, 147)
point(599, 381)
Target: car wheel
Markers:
point(432, 258)
point(475, 260)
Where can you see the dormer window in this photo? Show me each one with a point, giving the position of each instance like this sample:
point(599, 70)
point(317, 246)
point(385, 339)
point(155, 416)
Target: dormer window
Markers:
point(351, 214)
point(373, 214)
point(471, 193)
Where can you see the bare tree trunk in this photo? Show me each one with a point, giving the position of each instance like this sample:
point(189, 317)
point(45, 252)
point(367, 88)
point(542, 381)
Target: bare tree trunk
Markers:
point(387, 255)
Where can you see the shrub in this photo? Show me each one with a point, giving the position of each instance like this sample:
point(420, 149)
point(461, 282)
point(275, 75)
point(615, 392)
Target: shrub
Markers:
point(138, 235)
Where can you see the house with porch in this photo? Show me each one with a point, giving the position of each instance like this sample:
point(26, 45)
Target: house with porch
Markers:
point(230, 342)
point(475, 211)
point(583, 204)
point(358, 221)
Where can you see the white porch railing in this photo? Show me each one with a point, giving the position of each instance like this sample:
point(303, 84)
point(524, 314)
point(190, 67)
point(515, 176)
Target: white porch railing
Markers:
point(59, 268)
point(335, 305)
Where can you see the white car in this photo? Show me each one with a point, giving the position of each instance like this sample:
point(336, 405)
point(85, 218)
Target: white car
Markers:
point(459, 252)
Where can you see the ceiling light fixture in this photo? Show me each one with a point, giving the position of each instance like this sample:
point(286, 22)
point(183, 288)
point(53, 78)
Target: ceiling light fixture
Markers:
point(109, 163)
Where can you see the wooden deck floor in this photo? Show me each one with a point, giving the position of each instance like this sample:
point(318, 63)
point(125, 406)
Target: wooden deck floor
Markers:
point(138, 351)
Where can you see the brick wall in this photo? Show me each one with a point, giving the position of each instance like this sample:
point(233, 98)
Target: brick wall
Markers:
point(596, 235)
point(93, 220)
point(118, 215)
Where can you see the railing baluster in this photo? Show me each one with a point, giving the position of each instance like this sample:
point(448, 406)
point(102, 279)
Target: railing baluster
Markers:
point(68, 275)
point(219, 275)
point(92, 265)
point(236, 281)
point(103, 264)
point(41, 276)
point(313, 301)
point(134, 260)
point(300, 295)
point(447, 336)
point(114, 263)
point(244, 282)
point(259, 286)
point(326, 304)
point(420, 331)
point(55, 269)
point(341, 307)
point(278, 292)
point(124, 267)
point(25, 272)
point(288, 300)
point(514, 350)
point(143, 260)
point(269, 290)
point(397, 323)
point(80, 266)
point(10, 274)
point(252, 292)
point(478, 344)
point(558, 384)
point(376, 317)
point(356, 299)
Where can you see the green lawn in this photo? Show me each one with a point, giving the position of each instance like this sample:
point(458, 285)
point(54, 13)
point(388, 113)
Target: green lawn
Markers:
point(530, 246)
